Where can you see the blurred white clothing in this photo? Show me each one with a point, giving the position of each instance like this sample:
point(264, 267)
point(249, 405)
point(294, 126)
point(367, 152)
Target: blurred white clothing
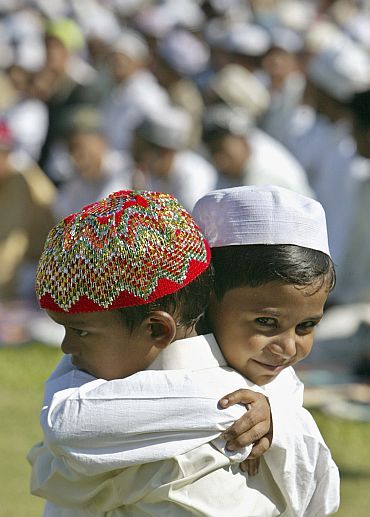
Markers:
point(305, 137)
point(93, 427)
point(276, 120)
point(77, 191)
point(353, 273)
point(270, 164)
point(28, 121)
point(126, 105)
point(191, 177)
point(336, 187)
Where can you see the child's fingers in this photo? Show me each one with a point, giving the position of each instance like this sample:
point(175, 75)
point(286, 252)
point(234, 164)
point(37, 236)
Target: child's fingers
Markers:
point(259, 448)
point(251, 466)
point(236, 440)
point(241, 396)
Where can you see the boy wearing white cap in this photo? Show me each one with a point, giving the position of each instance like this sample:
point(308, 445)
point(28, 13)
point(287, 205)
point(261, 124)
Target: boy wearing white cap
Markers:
point(298, 476)
point(273, 273)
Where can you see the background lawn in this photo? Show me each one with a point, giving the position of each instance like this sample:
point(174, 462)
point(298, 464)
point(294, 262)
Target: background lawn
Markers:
point(22, 373)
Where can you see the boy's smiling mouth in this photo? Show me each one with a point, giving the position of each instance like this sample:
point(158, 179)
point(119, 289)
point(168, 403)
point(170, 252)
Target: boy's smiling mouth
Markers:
point(272, 367)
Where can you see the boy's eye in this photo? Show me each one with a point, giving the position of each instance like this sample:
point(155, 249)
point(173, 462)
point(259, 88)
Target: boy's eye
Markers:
point(266, 322)
point(306, 326)
point(81, 333)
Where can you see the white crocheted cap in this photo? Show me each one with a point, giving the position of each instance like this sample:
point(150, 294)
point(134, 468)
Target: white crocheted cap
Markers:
point(261, 215)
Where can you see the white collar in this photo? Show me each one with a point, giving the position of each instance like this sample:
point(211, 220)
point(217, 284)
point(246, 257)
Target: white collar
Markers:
point(198, 352)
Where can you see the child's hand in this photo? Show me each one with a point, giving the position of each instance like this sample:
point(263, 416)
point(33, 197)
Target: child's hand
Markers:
point(255, 426)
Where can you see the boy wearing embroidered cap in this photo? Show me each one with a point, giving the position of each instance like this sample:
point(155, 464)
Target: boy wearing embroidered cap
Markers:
point(127, 277)
point(150, 239)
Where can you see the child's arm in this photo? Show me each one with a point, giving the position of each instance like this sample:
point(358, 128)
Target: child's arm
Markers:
point(149, 416)
point(298, 459)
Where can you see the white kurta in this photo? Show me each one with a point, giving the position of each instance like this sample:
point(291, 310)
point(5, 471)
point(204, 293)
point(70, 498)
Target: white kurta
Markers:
point(100, 435)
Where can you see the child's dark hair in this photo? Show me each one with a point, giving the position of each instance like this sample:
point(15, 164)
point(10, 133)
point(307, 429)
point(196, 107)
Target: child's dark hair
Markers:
point(187, 304)
point(258, 264)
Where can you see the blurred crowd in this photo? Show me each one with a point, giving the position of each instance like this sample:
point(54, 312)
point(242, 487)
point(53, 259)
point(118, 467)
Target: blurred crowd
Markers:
point(183, 96)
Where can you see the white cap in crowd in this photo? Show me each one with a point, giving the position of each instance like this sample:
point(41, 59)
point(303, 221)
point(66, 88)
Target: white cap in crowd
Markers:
point(248, 39)
point(296, 15)
point(261, 215)
point(341, 70)
point(183, 52)
point(238, 87)
point(234, 120)
point(101, 22)
point(168, 127)
point(132, 44)
point(286, 39)
point(322, 35)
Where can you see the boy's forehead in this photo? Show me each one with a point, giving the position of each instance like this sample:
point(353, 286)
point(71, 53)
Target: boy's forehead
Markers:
point(278, 297)
point(78, 319)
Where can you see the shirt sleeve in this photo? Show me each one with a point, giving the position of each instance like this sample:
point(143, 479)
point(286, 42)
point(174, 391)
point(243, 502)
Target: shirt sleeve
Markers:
point(99, 425)
point(299, 459)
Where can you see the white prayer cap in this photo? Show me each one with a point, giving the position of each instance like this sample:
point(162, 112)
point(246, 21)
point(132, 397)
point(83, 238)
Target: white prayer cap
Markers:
point(132, 44)
point(296, 15)
point(321, 35)
point(183, 52)
point(101, 22)
point(154, 21)
point(30, 55)
point(238, 87)
point(261, 215)
point(286, 39)
point(247, 39)
point(168, 127)
point(126, 8)
point(158, 20)
point(187, 13)
point(358, 29)
point(216, 31)
point(341, 71)
point(235, 121)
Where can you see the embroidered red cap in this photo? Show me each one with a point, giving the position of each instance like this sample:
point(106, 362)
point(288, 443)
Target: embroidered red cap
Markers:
point(130, 248)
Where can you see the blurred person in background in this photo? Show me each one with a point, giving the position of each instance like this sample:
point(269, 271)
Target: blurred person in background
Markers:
point(101, 28)
point(246, 45)
point(244, 155)
point(234, 40)
point(27, 115)
point(353, 279)
point(180, 56)
point(26, 196)
point(164, 162)
point(136, 91)
point(22, 45)
point(283, 75)
point(335, 74)
point(68, 80)
point(97, 170)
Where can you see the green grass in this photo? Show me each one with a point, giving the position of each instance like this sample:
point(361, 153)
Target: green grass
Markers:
point(23, 372)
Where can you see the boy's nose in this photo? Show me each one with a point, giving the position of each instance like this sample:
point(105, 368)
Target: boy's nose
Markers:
point(285, 344)
point(68, 347)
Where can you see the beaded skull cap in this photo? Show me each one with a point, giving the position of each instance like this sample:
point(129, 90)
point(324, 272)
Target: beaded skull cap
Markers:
point(130, 248)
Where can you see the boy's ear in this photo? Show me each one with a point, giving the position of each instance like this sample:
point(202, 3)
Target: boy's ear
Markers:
point(162, 328)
